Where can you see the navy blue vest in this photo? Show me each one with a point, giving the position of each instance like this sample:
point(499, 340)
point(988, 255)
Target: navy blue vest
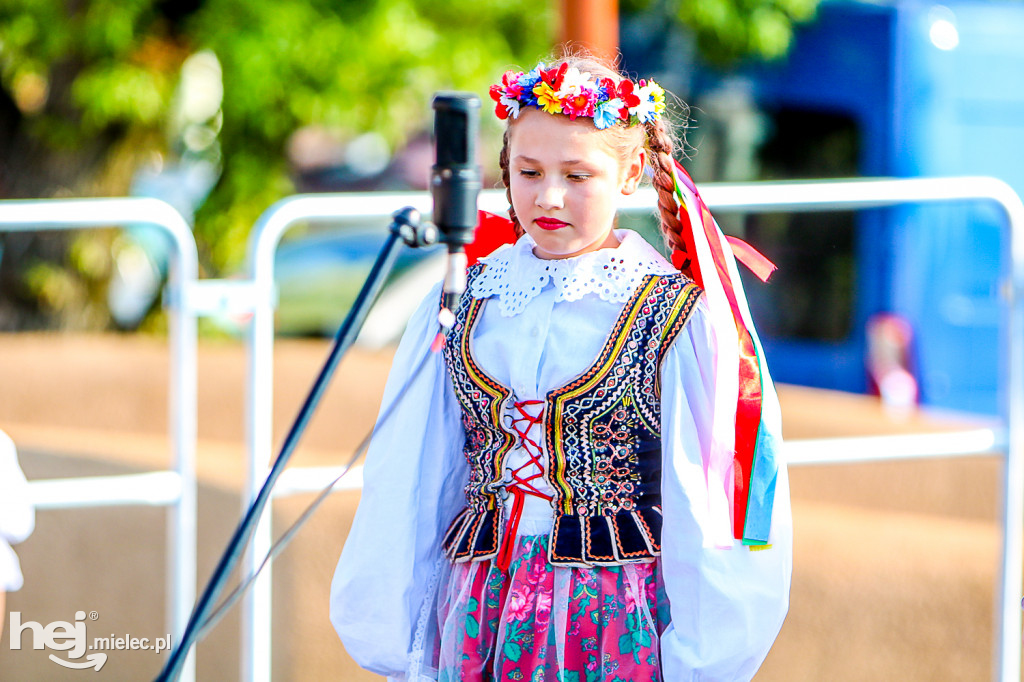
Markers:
point(602, 434)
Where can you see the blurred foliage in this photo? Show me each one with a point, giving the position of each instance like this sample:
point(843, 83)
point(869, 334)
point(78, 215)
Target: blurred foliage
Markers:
point(355, 66)
point(727, 31)
point(87, 92)
point(73, 288)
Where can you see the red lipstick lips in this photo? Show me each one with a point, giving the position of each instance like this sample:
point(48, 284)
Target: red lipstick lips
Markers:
point(550, 223)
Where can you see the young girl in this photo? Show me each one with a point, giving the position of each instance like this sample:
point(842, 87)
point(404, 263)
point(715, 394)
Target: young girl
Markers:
point(583, 485)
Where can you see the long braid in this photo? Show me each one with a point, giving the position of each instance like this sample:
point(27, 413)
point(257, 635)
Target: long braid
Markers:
point(660, 145)
point(503, 162)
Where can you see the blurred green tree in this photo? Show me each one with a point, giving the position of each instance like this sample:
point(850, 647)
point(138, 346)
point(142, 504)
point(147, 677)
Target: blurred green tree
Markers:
point(89, 93)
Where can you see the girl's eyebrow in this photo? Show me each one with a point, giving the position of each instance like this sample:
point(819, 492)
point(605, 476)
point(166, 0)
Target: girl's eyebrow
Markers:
point(527, 159)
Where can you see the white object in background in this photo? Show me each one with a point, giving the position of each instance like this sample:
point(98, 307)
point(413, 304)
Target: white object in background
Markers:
point(17, 515)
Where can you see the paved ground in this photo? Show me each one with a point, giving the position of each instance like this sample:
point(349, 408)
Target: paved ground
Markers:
point(895, 563)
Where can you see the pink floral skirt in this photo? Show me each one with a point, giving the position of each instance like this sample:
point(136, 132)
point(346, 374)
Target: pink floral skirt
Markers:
point(539, 622)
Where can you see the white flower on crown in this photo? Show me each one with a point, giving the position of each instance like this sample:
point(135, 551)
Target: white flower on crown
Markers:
point(652, 102)
point(574, 82)
point(642, 110)
point(512, 104)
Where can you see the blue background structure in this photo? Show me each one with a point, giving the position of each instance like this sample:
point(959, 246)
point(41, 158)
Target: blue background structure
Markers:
point(919, 107)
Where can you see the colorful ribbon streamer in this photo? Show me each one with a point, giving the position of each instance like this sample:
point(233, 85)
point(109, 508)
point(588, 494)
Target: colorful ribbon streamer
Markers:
point(751, 470)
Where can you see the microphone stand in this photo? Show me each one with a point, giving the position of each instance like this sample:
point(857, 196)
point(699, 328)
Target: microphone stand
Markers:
point(405, 228)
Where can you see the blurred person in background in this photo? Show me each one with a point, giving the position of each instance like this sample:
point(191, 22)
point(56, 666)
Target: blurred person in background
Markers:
point(17, 520)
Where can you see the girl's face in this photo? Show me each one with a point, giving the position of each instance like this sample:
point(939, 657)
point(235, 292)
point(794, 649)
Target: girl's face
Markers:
point(564, 178)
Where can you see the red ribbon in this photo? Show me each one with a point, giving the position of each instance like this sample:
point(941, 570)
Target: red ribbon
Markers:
point(748, 399)
point(491, 232)
point(508, 542)
point(752, 258)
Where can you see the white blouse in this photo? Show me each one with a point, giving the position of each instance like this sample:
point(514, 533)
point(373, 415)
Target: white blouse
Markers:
point(544, 324)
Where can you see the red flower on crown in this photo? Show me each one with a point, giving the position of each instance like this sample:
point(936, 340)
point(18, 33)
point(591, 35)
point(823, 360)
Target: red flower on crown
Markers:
point(625, 92)
point(554, 77)
point(510, 88)
point(510, 83)
point(622, 90)
point(500, 110)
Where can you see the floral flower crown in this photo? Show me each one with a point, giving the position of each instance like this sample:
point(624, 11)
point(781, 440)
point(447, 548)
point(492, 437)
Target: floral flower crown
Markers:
point(568, 91)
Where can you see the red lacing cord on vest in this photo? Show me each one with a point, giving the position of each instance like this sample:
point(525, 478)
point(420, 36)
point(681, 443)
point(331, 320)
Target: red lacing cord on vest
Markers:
point(520, 487)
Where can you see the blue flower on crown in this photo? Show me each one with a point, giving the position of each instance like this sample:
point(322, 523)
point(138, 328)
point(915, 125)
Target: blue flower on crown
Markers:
point(527, 82)
point(606, 114)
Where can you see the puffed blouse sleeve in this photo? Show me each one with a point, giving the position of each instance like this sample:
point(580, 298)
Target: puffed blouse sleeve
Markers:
point(727, 603)
point(413, 482)
point(17, 515)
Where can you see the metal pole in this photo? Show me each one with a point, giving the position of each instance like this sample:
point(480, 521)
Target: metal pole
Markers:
point(1009, 662)
point(256, 646)
point(256, 643)
point(156, 488)
point(34, 215)
point(182, 527)
point(592, 24)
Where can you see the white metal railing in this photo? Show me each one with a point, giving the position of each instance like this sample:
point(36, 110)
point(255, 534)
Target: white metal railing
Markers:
point(158, 488)
point(1007, 439)
point(187, 298)
point(175, 488)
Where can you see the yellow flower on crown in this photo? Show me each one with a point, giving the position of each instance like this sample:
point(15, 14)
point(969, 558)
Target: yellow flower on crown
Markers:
point(658, 96)
point(547, 98)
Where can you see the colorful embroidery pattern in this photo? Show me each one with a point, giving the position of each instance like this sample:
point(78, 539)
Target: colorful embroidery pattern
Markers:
point(481, 399)
point(616, 399)
point(602, 434)
point(543, 622)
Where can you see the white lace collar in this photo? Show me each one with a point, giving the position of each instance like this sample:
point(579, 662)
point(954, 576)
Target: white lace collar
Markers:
point(516, 276)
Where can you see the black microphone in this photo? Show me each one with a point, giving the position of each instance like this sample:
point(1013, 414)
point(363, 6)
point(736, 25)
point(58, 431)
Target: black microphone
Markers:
point(455, 182)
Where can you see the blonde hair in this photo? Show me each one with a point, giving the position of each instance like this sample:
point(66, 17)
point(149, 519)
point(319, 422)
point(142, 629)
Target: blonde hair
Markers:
point(657, 138)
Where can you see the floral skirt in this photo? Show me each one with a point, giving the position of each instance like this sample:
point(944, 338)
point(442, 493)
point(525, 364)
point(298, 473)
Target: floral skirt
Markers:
point(539, 622)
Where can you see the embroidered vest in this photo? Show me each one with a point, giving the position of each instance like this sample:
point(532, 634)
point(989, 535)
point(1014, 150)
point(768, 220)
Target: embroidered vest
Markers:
point(602, 434)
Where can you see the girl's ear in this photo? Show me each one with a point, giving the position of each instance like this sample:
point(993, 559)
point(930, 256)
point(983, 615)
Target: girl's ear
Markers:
point(634, 171)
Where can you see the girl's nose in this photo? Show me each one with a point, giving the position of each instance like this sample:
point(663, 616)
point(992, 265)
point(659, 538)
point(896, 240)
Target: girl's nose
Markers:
point(551, 196)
